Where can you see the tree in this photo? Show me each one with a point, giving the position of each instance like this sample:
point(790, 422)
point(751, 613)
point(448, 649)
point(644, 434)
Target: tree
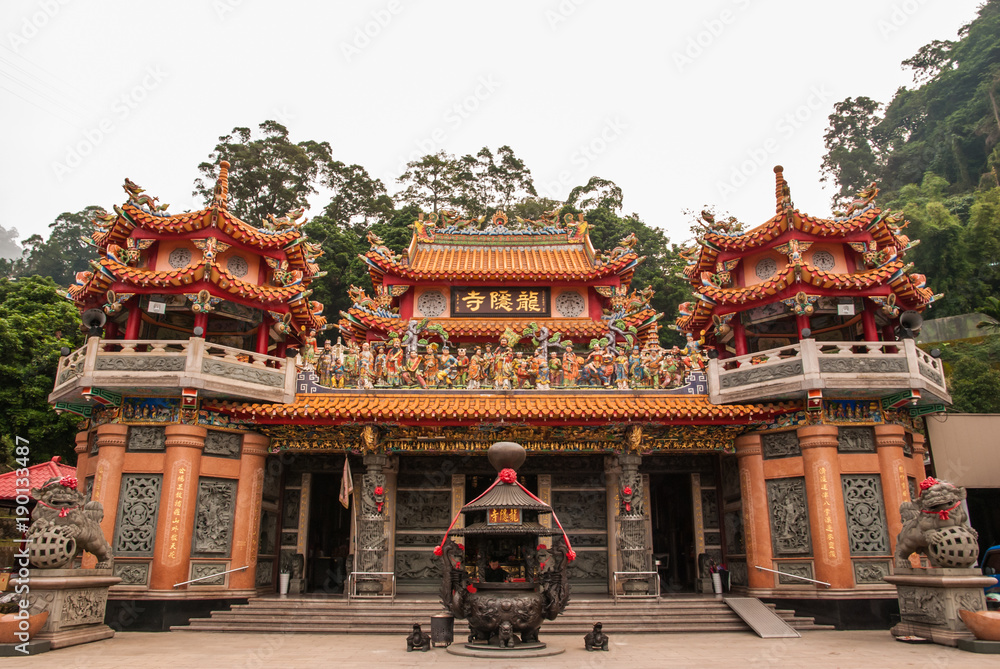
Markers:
point(487, 182)
point(9, 249)
point(597, 193)
point(430, 181)
point(64, 253)
point(269, 174)
point(853, 158)
point(975, 387)
point(35, 323)
point(355, 194)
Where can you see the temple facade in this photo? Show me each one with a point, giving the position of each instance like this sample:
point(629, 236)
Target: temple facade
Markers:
point(220, 405)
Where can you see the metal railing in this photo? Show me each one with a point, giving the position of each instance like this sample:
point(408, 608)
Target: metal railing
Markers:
point(785, 573)
point(647, 576)
point(203, 578)
point(380, 576)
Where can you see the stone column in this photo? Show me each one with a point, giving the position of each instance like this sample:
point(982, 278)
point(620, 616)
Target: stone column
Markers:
point(178, 498)
point(756, 518)
point(919, 449)
point(371, 530)
point(246, 526)
point(82, 450)
point(889, 441)
point(108, 474)
point(868, 320)
point(632, 536)
point(612, 483)
point(825, 498)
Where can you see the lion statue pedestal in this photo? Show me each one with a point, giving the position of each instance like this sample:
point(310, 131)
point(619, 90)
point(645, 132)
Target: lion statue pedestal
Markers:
point(935, 526)
point(64, 524)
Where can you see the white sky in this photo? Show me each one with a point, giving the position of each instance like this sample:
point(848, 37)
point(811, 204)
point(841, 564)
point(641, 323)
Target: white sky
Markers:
point(681, 103)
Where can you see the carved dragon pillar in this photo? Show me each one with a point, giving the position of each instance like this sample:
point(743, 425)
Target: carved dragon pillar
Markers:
point(634, 550)
point(372, 547)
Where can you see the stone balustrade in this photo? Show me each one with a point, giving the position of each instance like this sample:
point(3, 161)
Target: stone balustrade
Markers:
point(865, 369)
point(170, 365)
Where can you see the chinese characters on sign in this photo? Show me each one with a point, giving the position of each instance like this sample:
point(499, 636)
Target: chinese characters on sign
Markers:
point(504, 517)
point(485, 301)
point(175, 516)
point(831, 546)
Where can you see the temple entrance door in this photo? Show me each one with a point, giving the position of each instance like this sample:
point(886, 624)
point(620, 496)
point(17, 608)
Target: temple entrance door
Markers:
point(674, 541)
point(329, 536)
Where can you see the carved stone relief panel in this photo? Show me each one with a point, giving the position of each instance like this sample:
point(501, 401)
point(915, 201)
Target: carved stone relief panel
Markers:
point(856, 440)
point(423, 509)
point(780, 445)
point(581, 509)
point(223, 444)
point(919, 604)
point(202, 569)
point(132, 573)
point(92, 442)
point(710, 508)
point(730, 478)
point(713, 539)
point(761, 374)
point(146, 439)
point(865, 506)
point(870, 572)
point(242, 373)
point(417, 565)
point(589, 565)
point(737, 572)
point(290, 509)
point(793, 569)
point(786, 500)
point(84, 606)
point(272, 478)
point(862, 365)
point(214, 514)
point(908, 446)
point(911, 483)
point(265, 573)
point(581, 540)
point(138, 504)
point(268, 533)
point(735, 540)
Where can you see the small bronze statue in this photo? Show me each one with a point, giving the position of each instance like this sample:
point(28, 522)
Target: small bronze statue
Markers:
point(505, 635)
point(417, 640)
point(596, 640)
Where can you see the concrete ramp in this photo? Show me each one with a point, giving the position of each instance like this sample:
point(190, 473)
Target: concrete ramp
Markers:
point(762, 619)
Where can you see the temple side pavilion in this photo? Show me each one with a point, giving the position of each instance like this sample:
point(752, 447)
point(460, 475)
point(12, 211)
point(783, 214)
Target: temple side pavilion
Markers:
point(783, 435)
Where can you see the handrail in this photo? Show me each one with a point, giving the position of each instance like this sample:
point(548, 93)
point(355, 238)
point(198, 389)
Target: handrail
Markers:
point(655, 575)
point(785, 573)
point(221, 573)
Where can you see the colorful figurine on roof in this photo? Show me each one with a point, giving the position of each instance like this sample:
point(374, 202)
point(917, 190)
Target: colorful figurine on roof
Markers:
point(508, 304)
point(797, 276)
point(204, 273)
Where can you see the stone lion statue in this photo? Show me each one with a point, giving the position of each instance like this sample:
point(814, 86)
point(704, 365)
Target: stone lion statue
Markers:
point(64, 524)
point(934, 519)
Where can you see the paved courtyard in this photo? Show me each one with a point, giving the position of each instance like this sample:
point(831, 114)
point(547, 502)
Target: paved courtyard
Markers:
point(182, 650)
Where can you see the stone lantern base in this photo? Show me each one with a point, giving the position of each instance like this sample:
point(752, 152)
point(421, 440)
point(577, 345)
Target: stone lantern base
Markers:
point(76, 600)
point(929, 601)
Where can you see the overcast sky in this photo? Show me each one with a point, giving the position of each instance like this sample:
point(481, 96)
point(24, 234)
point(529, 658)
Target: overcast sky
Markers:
point(681, 103)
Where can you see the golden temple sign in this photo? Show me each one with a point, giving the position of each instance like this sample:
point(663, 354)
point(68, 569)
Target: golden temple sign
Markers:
point(504, 517)
point(499, 301)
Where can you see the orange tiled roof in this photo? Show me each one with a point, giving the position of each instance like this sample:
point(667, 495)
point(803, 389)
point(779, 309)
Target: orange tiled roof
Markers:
point(360, 321)
point(467, 407)
point(486, 263)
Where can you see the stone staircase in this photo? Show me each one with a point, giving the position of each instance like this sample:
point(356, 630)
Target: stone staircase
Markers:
point(691, 613)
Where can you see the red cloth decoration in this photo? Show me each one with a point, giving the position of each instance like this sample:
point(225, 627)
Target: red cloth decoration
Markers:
point(571, 555)
point(471, 588)
point(540, 547)
point(508, 475)
point(627, 490)
point(68, 482)
point(943, 514)
point(438, 551)
point(461, 547)
point(379, 490)
point(928, 482)
point(65, 512)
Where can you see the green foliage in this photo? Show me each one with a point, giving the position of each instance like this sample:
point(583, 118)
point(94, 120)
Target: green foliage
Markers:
point(35, 323)
point(973, 369)
point(63, 253)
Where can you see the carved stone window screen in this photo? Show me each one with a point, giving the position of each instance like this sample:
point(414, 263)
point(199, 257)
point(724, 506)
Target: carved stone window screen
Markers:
point(223, 444)
point(146, 438)
point(789, 514)
point(214, 515)
point(856, 440)
point(780, 445)
point(865, 508)
point(138, 506)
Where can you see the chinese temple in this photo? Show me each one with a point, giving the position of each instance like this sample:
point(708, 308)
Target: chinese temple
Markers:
point(220, 404)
